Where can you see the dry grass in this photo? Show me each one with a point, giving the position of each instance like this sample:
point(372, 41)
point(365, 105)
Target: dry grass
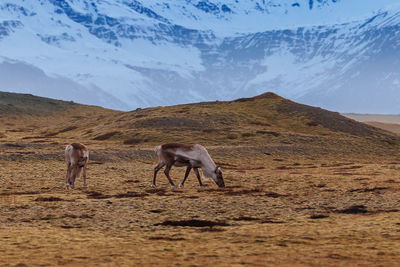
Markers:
point(296, 194)
point(298, 216)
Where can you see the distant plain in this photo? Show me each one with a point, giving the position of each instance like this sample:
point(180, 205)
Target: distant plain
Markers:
point(387, 122)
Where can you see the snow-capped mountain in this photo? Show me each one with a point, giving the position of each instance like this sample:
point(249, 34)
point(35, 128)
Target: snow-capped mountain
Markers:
point(342, 55)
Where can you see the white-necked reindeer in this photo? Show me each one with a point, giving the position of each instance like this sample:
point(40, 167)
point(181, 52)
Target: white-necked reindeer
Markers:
point(76, 157)
point(191, 156)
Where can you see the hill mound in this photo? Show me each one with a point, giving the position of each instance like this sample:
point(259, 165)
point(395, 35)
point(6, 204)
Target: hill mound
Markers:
point(13, 103)
point(240, 121)
point(265, 121)
point(24, 114)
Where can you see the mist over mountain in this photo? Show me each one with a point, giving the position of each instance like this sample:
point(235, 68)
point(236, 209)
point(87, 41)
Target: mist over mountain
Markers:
point(342, 55)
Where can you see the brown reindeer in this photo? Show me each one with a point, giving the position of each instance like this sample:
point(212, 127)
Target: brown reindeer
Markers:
point(76, 157)
point(191, 156)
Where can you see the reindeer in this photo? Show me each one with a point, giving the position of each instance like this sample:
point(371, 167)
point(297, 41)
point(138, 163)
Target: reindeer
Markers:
point(76, 157)
point(191, 156)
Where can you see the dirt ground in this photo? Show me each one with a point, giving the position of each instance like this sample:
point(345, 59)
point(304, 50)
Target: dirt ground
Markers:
point(285, 210)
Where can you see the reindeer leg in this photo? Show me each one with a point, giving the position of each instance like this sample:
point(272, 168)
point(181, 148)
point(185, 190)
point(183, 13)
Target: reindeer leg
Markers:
point(156, 169)
point(84, 177)
point(78, 174)
point(196, 171)
point(186, 176)
point(72, 177)
point(166, 171)
point(67, 178)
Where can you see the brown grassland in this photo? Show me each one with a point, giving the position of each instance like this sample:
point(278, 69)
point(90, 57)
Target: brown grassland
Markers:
point(304, 187)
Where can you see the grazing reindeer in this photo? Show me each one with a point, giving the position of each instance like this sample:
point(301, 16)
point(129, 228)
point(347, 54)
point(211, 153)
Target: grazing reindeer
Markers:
point(191, 156)
point(76, 157)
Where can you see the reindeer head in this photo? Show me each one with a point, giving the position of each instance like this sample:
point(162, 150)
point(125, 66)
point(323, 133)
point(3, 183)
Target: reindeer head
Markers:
point(218, 177)
point(82, 161)
point(83, 158)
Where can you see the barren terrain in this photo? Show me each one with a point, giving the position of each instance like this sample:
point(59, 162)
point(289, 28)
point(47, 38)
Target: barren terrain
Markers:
point(304, 187)
point(387, 122)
